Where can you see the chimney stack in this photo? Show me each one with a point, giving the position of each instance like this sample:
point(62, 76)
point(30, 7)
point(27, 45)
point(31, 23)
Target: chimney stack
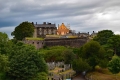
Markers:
point(33, 23)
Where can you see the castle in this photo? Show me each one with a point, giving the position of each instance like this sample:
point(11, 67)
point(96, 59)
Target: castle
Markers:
point(48, 34)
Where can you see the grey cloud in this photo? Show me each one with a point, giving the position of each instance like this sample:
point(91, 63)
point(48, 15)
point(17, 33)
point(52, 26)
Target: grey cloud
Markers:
point(83, 15)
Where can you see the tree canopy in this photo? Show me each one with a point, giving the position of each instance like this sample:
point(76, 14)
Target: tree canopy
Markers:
point(3, 43)
point(114, 43)
point(80, 65)
point(25, 63)
point(103, 36)
point(114, 65)
point(24, 29)
point(93, 53)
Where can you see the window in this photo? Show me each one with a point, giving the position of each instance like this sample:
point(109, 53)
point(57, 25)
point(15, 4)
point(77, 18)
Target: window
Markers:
point(37, 42)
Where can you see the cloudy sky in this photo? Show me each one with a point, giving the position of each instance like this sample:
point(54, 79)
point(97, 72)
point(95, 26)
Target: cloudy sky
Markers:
point(82, 15)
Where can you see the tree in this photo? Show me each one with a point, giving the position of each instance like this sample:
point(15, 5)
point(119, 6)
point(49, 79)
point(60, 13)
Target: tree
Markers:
point(80, 65)
point(93, 53)
point(3, 66)
point(114, 65)
point(114, 43)
point(54, 53)
point(4, 43)
point(69, 56)
point(41, 76)
point(3, 63)
point(25, 29)
point(25, 63)
point(103, 36)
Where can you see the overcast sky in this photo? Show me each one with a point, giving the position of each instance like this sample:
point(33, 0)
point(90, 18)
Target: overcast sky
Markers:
point(82, 15)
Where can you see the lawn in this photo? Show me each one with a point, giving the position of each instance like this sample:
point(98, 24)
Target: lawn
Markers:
point(30, 38)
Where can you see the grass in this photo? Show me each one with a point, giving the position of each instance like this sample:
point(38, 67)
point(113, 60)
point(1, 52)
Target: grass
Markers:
point(55, 36)
point(72, 36)
point(30, 38)
point(56, 71)
point(58, 36)
point(103, 74)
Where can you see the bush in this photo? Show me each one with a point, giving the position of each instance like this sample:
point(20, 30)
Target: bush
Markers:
point(80, 65)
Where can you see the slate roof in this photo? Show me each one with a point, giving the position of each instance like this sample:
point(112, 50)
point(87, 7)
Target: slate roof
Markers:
point(44, 25)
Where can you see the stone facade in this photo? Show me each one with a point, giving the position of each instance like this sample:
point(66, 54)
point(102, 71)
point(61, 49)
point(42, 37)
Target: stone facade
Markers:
point(72, 42)
point(52, 36)
point(37, 43)
point(41, 30)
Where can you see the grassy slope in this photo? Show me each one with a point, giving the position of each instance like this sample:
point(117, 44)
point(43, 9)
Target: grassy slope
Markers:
point(103, 74)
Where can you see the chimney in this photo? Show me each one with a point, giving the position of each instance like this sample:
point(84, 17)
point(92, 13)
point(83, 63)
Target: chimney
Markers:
point(36, 23)
point(44, 22)
point(33, 23)
point(88, 33)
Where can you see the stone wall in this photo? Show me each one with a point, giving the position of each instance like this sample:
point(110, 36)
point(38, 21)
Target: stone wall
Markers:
point(72, 42)
point(37, 43)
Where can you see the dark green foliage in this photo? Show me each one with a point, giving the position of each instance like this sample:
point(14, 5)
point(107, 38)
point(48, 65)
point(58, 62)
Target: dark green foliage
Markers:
point(25, 63)
point(3, 37)
point(54, 53)
point(93, 53)
point(3, 66)
point(77, 51)
point(69, 56)
point(25, 29)
point(2, 76)
point(4, 63)
point(41, 76)
point(114, 65)
point(103, 63)
point(114, 43)
point(80, 65)
point(4, 43)
point(103, 36)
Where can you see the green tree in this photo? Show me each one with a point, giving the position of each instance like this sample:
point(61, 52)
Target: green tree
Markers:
point(93, 53)
point(25, 29)
point(4, 46)
point(54, 53)
point(41, 76)
point(3, 66)
point(80, 65)
point(114, 43)
point(114, 65)
point(103, 36)
point(3, 63)
point(25, 63)
point(69, 56)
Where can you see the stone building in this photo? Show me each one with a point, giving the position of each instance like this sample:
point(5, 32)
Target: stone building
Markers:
point(47, 34)
point(62, 30)
point(41, 30)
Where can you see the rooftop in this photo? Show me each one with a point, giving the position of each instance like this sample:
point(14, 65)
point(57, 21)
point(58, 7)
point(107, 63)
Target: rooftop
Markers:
point(44, 25)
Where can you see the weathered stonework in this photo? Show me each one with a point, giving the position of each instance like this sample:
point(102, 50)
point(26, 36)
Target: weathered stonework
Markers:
point(37, 43)
point(72, 42)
